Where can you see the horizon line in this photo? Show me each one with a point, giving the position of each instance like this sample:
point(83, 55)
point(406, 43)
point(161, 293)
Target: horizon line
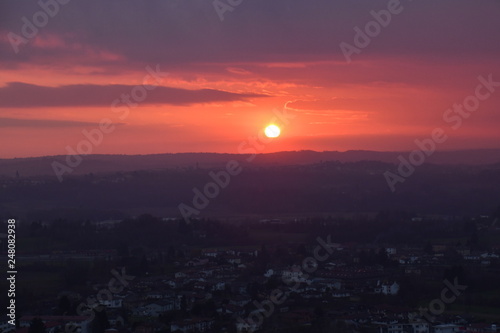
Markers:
point(269, 153)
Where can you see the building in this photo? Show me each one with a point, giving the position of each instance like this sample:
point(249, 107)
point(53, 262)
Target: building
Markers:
point(192, 325)
point(60, 323)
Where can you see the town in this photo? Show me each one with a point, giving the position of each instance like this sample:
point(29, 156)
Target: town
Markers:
point(390, 272)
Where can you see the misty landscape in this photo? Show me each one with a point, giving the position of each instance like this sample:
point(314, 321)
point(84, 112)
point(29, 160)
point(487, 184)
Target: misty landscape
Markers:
point(249, 166)
point(461, 183)
point(188, 255)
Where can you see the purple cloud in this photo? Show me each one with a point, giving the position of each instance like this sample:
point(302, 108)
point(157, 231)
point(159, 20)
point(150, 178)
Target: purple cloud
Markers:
point(17, 94)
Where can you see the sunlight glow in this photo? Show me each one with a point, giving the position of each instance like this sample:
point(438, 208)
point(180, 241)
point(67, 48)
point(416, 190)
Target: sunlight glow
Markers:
point(272, 131)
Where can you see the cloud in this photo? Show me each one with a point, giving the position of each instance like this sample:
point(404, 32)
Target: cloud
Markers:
point(41, 123)
point(236, 70)
point(334, 104)
point(185, 32)
point(18, 94)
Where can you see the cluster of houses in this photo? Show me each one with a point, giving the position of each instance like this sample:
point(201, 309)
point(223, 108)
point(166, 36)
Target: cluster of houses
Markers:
point(226, 279)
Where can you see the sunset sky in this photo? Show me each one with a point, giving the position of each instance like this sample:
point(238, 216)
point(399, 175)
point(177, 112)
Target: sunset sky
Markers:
point(225, 77)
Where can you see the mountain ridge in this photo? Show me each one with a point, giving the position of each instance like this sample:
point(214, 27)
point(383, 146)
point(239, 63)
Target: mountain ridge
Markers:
point(101, 163)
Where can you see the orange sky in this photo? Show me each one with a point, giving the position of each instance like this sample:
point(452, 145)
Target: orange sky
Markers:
point(226, 78)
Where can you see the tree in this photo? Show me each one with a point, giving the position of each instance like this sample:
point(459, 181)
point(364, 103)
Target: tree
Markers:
point(100, 322)
point(64, 305)
point(428, 248)
point(122, 249)
point(319, 311)
point(455, 272)
point(301, 249)
point(75, 273)
point(37, 326)
point(183, 304)
point(383, 258)
point(144, 265)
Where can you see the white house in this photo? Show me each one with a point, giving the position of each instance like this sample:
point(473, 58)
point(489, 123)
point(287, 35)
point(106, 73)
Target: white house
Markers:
point(218, 285)
point(391, 250)
point(489, 256)
point(156, 309)
point(114, 303)
point(446, 328)
point(243, 327)
point(234, 260)
point(269, 273)
point(294, 274)
point(154, 295)
point(416, 327)
point(6, 327)
point(387, 289)
point(196, 262)
point(179, 275)
point(190, 325)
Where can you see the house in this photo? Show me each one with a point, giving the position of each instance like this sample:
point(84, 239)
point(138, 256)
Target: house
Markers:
point(6, 327)
point(231, 309)
point(489, 256)
point(472, 257)
point(445, 328)
point(156, 309)
point(192, 325)
point(294, 274)
point(114, 303)
point(341, 294)
point(150, 310)
point(171, 283)
point(269, 273)
point(200, 286)
point(170, 304)
point(149, 327)
point(114, 319)
point(213, 253)
point(240, 300)
point(408, 259)
point(387, 288)
point(154, 295)
point(439, 247)
point(248, 253)
point(244, 327)
point(417, 327)
point(333, 284)
point(111, 330)
point(480, 328)
point(207, 271)
point(233, 260)
point(239, 287)
point(462, 250)
point(299, 317)
point(218, 285)
point(193, 297)
point(310, 294)
point(413, 270)
point(391, 251)
point(63, 323)
point(196, 262)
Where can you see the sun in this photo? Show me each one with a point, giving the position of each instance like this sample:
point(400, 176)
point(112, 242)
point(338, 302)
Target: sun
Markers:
point(272, 131)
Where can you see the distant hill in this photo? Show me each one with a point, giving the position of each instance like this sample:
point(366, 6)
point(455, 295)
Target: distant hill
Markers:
point(115, 163)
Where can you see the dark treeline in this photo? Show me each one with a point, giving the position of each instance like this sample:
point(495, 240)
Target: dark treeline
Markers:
point(311, 189)
point(150, 232)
